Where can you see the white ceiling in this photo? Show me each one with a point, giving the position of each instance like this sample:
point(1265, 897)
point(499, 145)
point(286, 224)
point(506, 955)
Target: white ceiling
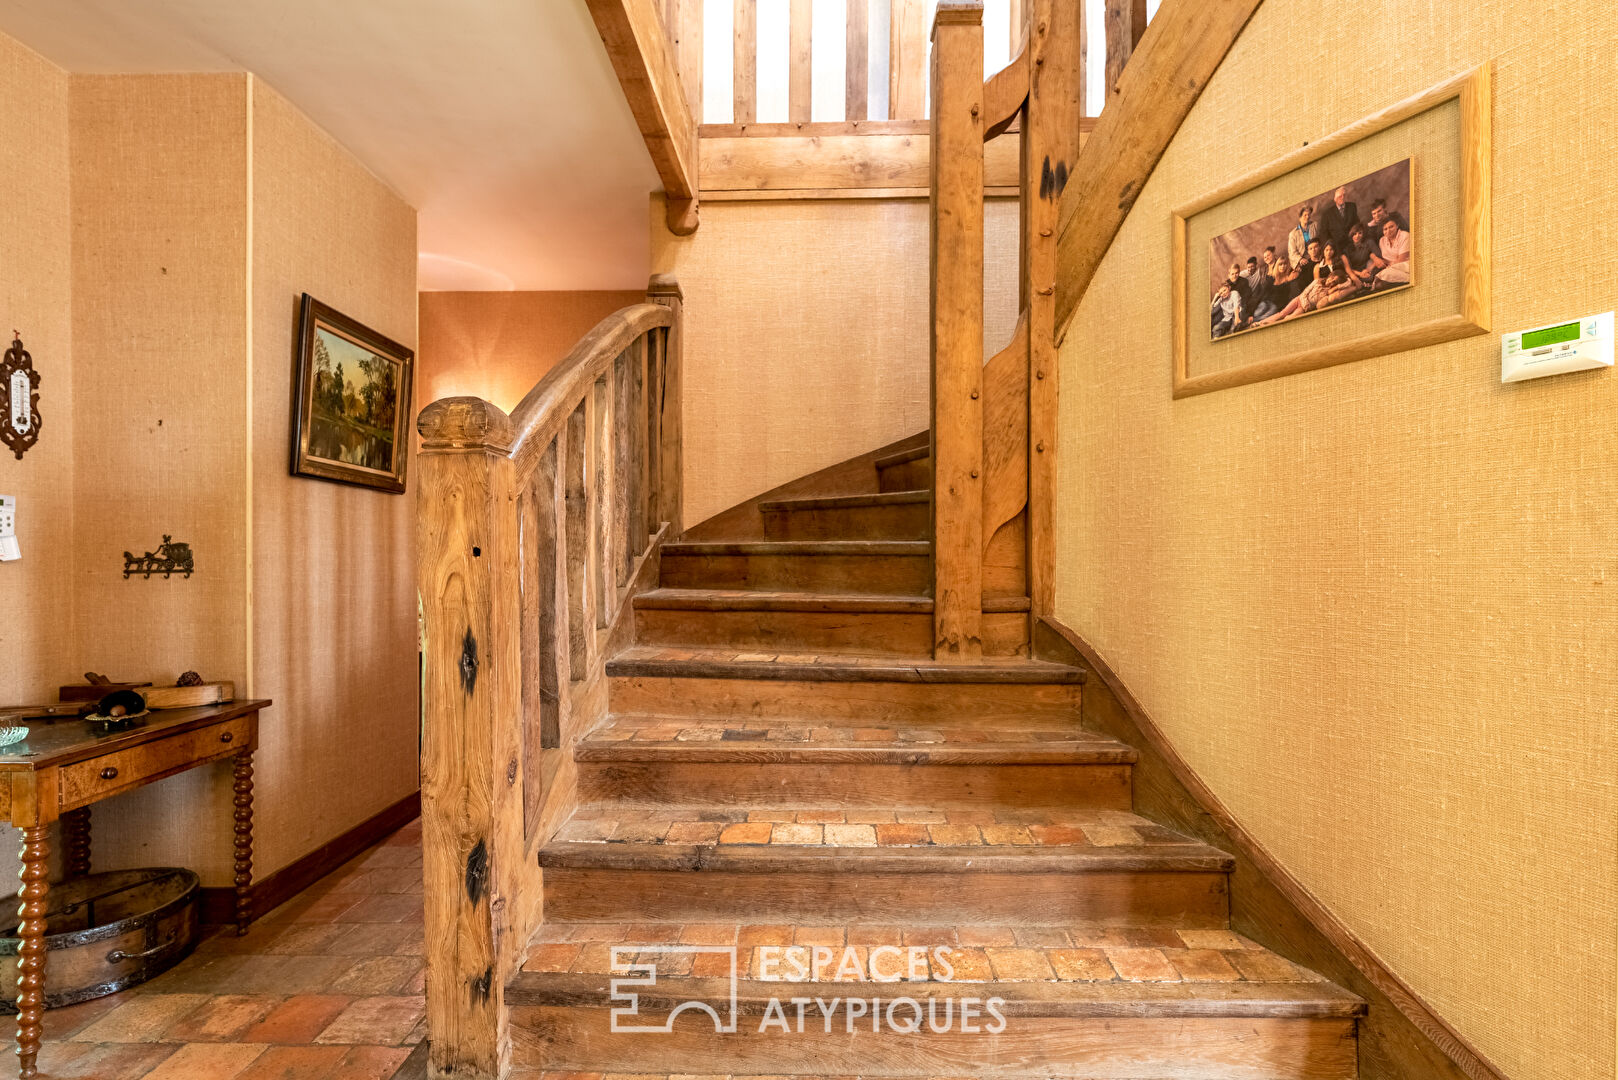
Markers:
point(500, 120)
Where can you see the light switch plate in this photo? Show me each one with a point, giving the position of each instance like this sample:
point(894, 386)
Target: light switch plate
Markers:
point(8, 529)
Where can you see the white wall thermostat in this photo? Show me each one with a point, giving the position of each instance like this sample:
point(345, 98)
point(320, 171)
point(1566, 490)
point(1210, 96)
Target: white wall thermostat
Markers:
point(1561, 347)
point(8, 528)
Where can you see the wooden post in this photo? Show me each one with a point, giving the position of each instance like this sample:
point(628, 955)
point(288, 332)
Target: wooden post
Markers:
point(472, 814)
point(800, 64)
point(907, 60)
point(687, 31)
point(856, 76)
point(669, 480)
point(1126, 22)
point(957, 329)
point(1050, 141)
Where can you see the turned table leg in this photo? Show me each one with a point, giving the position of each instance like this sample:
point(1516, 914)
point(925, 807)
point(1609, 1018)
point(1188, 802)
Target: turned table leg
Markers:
point(31, 949)
point(76, 843)
point(244, 839)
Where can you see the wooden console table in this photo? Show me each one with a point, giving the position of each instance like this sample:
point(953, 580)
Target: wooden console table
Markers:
point(63, 767)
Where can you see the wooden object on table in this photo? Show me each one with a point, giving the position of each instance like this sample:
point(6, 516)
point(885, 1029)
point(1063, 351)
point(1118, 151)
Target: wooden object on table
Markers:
point(63, 767)
point(188, 697)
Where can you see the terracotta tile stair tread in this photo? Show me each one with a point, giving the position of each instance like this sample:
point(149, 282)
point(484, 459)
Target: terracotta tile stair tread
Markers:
point(798, 547)
point(844, 502)
point(1037, 971)
point(654, 661)
point(672, 739)
point(768, 600)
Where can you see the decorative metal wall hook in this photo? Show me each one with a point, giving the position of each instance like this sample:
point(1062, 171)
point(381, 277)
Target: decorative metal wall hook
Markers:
point(19, 398)
point(169, 558)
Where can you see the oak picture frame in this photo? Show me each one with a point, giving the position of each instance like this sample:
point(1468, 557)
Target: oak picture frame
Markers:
point(1473, 89)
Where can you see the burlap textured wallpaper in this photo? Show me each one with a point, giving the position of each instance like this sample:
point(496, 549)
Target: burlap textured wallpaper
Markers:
point(806, 333)
point(333, 613)
point(1371, 604)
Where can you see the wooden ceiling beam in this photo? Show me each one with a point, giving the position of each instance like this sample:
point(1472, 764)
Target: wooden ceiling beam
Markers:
point(639, 48)
point(1178, 54)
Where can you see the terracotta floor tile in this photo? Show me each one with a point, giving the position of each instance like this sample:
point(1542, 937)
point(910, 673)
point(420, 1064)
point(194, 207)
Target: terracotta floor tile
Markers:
point(1265, 967)
point(772, 816)
point(753, 832)
point(765, 934)
point(381, 908)
point(971, 817)
point(818, 935)
point(371, 939)
point(112, 1061)
point(1142, 965)
point(820, 817)
point(207, 1061)
point(1058, 835)
point(303, 938)
point(869, 817)
point(955, 835)
point(708, 934)
point(902, 835)
point(868, 934)
point(1043, 937)
point(1202, 965)
point(142, 1018)
point(1020, 965)
point(1081, 965)
point(370, 1063)
point(63, 1023)
point(712, 965)
point(931, 936)
point(980, 936)
point(298, 1019)
point(295, 1063)
point(796, 834)
point(372, 975)
point(920, 817)
point(851, 835)
point(961, 965)
point(222, 1019)
point(1112, 835)
point(641, 832)
point(1211, 939)
point(693, 832)
point(556, 956)
point(383, 1021)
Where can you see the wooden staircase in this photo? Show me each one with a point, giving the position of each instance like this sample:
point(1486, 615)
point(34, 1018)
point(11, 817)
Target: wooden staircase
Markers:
point(785, 776)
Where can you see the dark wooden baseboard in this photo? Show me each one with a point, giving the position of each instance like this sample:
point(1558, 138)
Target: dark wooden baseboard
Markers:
point(1400, 1037)
point(219, 904)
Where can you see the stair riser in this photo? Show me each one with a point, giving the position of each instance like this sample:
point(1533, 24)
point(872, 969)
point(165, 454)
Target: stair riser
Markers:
point(1183, 900)
point(866, 633)
point(897, 521)
point(1096, 1048)
point(841, 785)
point(910, 476)
point(894, 575)
point(871, 703)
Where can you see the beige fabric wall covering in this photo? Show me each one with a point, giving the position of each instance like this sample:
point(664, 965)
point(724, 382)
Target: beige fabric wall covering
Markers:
point(497, 345)
point(36, 631)
point(160, 230)
point(806, 333)
point(1371, 603)
point(333, 566)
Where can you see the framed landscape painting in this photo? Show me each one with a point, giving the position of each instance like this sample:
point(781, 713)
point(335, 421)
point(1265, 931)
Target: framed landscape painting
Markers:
point(351, 401)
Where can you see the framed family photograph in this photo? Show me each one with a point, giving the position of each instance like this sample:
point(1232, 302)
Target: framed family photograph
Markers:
point(351, 401)
point(1371, 241)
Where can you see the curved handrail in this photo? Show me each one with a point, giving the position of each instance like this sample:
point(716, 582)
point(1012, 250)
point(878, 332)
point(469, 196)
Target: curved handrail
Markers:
point(535, 419)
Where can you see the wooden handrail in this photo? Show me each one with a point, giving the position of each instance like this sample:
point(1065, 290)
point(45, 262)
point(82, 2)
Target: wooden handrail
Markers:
point(530, 530)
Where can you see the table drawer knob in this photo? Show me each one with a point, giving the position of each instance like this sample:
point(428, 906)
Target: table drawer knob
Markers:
point(109, 773)
point(228, 736)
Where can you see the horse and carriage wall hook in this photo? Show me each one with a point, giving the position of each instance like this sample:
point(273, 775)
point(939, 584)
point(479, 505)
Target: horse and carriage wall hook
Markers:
point(170, 558)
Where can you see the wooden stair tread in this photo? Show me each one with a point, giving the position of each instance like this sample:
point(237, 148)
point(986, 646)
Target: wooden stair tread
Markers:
point(798, 547)
point(845, 502)
point(653, 738)
point(679, 599)
point(1038, 971)
point(658, 662)
point(903, 457)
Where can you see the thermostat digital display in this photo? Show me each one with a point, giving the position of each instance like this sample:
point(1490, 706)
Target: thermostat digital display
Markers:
point(1558, 348)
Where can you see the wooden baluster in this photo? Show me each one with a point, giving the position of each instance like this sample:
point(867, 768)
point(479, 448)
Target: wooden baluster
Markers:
point(602, 488)
point(623, 446)
point(1019, 25)
point(581, 628)
point(800, 66)
point(635, 433)
point(1126, 22)
point(242, 789)
point(745, 57)
point(856, 79)
point(656, 349)
point(907, 60)
point(664, 290)
point(541, 700)
point(76, 844)
point(472, 812)
point(1050, 147)
point(957, 329)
